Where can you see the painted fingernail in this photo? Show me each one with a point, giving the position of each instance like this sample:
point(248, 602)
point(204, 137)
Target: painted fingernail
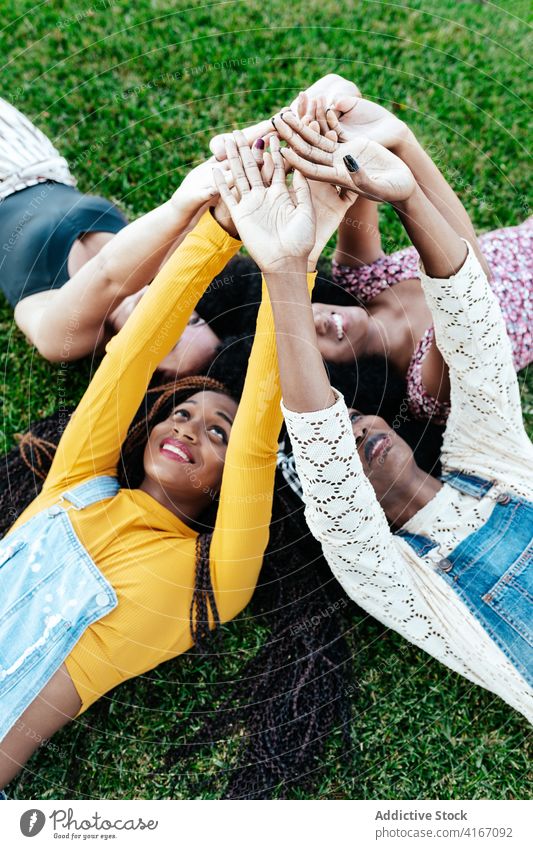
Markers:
point(350, 163)
point(272, 121)
point(260, 144)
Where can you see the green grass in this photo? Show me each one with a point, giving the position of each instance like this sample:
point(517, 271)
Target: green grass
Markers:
point(131, 93)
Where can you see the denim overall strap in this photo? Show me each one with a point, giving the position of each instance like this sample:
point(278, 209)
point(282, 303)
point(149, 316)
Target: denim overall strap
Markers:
point(50, 592)
point(468, 484)
point(492, 572)
point(419, 543)
point(91, 491)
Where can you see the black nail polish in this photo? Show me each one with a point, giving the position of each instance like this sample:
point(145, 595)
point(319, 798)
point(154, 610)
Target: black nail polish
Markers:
point(272, 122)
point(350, 163)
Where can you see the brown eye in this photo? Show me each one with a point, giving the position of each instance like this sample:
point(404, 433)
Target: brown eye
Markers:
point(195, 321)
point(220, 433)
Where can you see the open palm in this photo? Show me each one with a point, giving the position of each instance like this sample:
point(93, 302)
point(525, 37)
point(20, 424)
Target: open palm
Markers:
point(274, 223)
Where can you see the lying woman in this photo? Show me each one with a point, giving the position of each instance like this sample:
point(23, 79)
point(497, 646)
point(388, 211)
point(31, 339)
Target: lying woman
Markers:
point(394, 319)
point(391, 318)
point(101, 583)
point(70, 260)
point(445, 562)
point(63, 264)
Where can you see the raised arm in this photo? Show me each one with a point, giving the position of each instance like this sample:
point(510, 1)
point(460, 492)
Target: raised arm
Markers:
point(126, 263)
point(278, 230)
point(470, 330)
point(341, 507)
point(93, 438)
point(353, 116)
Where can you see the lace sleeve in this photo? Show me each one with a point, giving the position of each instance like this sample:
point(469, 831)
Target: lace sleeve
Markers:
point(344, 515)
point(485, 433)
point(367, 281)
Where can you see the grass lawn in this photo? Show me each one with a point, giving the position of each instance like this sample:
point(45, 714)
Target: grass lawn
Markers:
point(131, 94)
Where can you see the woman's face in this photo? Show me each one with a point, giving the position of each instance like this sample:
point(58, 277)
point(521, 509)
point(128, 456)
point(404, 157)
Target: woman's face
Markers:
point(192, 353)
point(387, 460)
point(341, 332)
point(194, 350)
point(185, 453)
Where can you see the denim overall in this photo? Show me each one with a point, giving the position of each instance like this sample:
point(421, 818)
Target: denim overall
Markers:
point(50, 592)
point(490, 570)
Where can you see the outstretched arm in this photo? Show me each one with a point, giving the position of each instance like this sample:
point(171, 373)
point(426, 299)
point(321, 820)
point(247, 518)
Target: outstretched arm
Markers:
point(470, 330)
point(278, 231)
point(355, 116)
point(125, 264)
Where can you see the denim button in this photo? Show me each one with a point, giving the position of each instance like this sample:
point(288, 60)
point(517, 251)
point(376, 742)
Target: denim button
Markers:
point(102, 599)
point(504, 498)
point(445, 564)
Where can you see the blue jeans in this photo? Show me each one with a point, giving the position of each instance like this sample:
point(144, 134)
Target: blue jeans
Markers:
point(491, 571)
point(50, 591)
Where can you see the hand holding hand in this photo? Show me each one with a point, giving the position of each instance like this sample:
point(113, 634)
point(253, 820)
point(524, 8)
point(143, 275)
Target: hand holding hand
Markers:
point(355, 116)
point(328, 89)
point(359, 164)
point(276, 226)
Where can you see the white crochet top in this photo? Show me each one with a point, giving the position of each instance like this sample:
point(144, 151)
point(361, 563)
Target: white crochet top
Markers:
point(485, 437)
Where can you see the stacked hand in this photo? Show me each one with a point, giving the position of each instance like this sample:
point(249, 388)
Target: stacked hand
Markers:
point(355, 116)
point(358, 164)
point(276, 225)
point(328, 89)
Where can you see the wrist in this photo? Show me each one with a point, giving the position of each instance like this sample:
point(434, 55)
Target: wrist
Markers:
point(224, 220)
point(285, 266)
point(411, 205)
point(182, 210)
point(406, 145)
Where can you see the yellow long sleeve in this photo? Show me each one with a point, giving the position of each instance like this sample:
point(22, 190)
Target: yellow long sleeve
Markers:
point(144, 550)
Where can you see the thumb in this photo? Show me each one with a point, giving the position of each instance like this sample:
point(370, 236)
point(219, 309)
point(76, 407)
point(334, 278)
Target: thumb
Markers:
point(362, 182)
point(301, 190)
point(344, 104)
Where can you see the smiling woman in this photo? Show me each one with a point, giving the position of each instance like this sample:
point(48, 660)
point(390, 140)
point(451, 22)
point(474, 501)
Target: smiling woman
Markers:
point(92, 617)
point(190, 445)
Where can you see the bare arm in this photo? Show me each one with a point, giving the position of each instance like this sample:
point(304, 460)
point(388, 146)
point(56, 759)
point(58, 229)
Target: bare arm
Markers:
point(359, 237)
point(81, 308)
point(440, 193)
point(441, 250)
